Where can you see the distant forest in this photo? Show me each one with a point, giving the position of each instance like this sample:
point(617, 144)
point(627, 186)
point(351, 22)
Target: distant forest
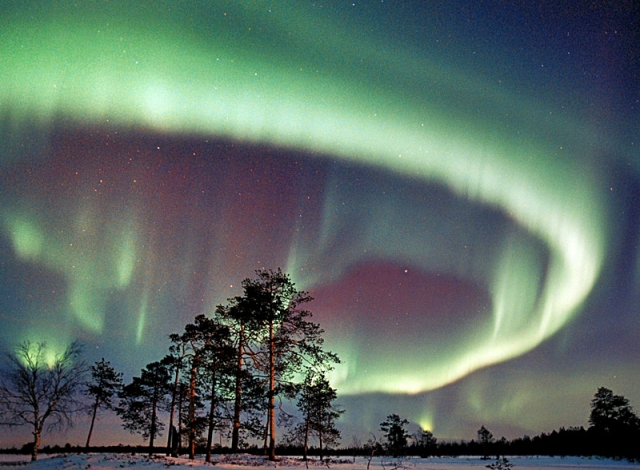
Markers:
point(563, 442)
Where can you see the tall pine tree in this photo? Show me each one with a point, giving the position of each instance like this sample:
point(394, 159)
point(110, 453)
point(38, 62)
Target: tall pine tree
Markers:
point(289, 341)
point(104, 384)
point(143, 399)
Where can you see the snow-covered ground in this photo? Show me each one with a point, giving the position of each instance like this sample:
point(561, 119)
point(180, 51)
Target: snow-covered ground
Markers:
point(117, 461)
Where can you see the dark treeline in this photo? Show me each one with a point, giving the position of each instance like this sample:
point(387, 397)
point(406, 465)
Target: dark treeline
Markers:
point(290, 450)
point(563, 442)
point(571, 441)
point(614, 432)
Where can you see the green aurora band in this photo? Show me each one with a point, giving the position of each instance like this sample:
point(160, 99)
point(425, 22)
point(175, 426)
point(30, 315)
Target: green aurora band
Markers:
point(250, 76)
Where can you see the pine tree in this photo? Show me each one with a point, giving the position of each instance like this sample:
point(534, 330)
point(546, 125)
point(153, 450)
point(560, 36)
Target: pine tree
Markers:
point(143, 399)
point(238, 316)
point(205, 351)
point(396, 435)
point(485, 437)
point(612, 413)
point(104, 384)
point(217, 376)
point(315, 403)
point(289, 341)
point(173, 362)
point(426, 442)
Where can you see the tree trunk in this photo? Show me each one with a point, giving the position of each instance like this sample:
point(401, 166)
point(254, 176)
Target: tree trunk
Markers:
point(171, 437)
point(306, 439)
point(192, 410)
point(152, 434)
point(211, 415)
point(235, 432)
point(272, 396)
point(93, 420)
point(37, 434)
point(180, 406)
point(265, 445)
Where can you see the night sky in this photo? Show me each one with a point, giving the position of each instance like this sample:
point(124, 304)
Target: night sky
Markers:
point(457, 185)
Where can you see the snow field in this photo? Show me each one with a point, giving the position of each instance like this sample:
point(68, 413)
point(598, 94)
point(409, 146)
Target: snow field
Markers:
point(109, 461)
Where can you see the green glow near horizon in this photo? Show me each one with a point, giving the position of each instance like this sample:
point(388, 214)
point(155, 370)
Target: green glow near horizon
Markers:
point(154, 74)
point(426, 422)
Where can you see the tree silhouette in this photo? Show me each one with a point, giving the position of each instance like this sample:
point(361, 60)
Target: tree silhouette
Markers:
point(426, 442)
point(35, 391)
point(217, 375)
point(611, 413)
point(319, 414)
point(289, 341)
point(485, 437)
point(173, 363)
point(396, 435)
point(238, 315)
point(615, 428)
point(104, 384)
point(205, 353)
point(142, 399)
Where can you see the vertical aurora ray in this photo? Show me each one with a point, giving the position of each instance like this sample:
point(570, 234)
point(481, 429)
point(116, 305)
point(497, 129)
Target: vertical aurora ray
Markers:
point(225, 137)
point(142, 318)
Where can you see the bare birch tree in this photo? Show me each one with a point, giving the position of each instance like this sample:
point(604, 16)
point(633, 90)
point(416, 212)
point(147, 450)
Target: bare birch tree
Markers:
point(38, 389)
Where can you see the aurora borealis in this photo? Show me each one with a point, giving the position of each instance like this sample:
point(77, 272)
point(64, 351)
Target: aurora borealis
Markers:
point(457, 187)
